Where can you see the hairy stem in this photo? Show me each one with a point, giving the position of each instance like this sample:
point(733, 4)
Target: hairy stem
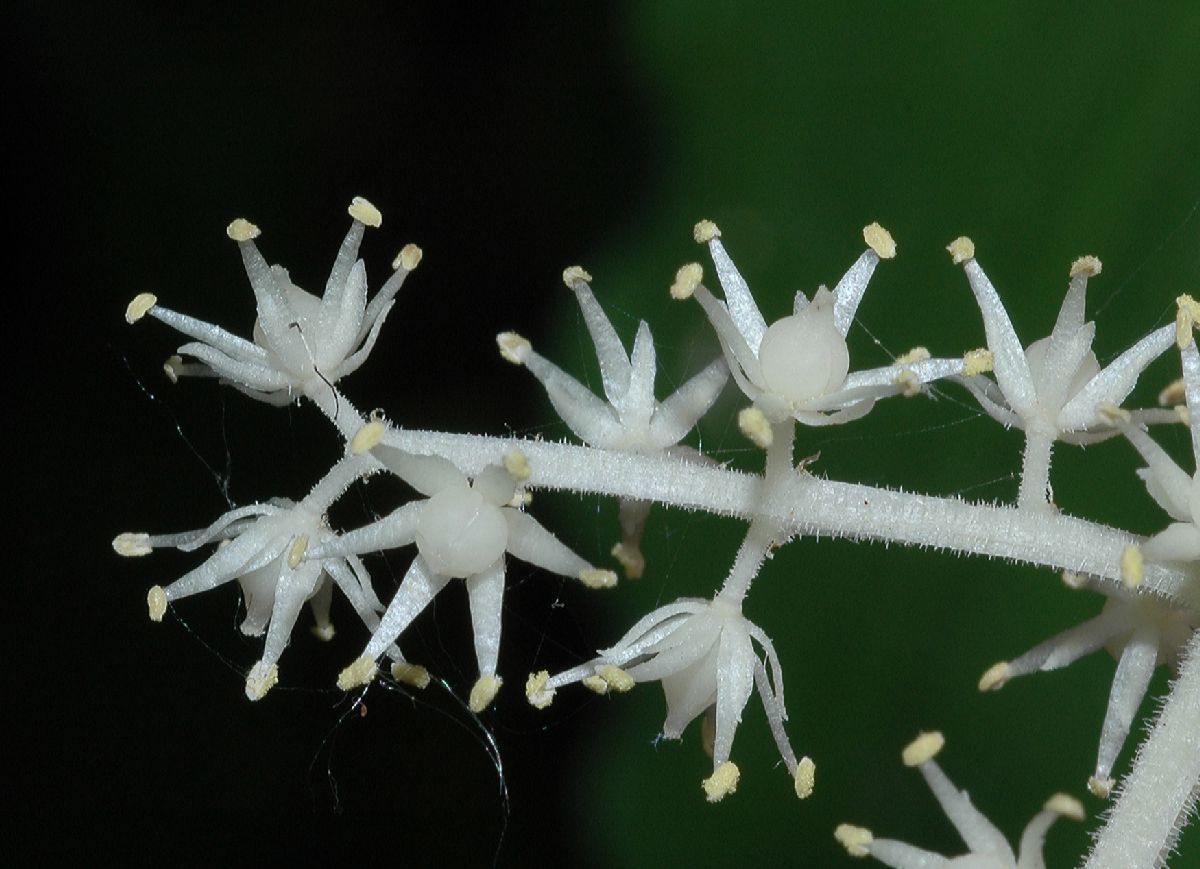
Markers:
point(808, 505)
point(1159, 794)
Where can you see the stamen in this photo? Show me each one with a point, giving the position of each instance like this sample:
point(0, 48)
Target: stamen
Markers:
point(361, 672)
point(961, 249)
point(364, 212)
point(805, 778)
point(156, 602)
point(995, 677)
point(536, 692)
point(132, 544)
point(598, 578)
point(137, 308)
point(513, 348)
point(879, 240)
point(686, 280)
point(484, 692)
point(242, 230)
point(976, 362)
point(705, 231)
point(923, 749)
point(856, 840)
point(410, 674)
point(722, 782)
point(754, 425)
point(408, 258)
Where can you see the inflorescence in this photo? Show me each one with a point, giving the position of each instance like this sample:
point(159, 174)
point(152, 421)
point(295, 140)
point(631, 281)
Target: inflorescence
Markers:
point(473, 508)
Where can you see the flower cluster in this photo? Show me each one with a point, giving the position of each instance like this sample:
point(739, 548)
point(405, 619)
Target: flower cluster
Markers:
point(473, 493)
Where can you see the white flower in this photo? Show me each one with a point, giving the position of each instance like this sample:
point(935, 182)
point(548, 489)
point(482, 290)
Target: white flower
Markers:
point(1056, 383)
point(703, 654)
point(301, 343)
point(462, 529)
point(1141, 633)
point(631, 419)
point(1054, 389)
point(988, 849)
point(264, 547)
point(799, 366)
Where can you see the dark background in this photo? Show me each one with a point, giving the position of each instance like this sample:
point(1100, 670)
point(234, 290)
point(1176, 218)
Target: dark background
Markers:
point(510, 143)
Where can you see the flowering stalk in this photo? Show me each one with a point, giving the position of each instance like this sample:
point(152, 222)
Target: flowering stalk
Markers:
point(1160, 794)
point(809, 505)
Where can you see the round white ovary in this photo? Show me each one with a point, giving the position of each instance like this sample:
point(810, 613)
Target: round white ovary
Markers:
point(1088, 367)
point(803, 356)
point(460, 534)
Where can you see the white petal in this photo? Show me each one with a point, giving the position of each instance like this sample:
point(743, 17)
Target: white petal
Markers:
point(1008, 357)
point(740, 303)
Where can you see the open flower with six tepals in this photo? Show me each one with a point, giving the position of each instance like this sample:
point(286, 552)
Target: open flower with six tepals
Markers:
point(473, 494)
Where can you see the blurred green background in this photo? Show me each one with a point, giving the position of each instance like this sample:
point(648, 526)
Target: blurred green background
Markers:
point(510, 143)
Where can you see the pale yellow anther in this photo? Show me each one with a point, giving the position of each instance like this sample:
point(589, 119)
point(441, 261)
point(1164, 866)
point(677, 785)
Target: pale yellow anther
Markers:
point(806, 778)
point(917, 354)
point(995, 677)
point(630, 558)
point(367, 437)
point(923, 749)
point(856, 840)
point(536, 692)
point(1067, 806)
point(755, 425)
point(596, 577)
point(173, 367)
point(1173, 395)
point(722, 782)
point(976, 362)
point(261, 680)
point(361, 672)
point(1133, 567)
point(1074, 580)
point(1086, 266)
point(1101, 787)
point(513, 348)
point(132, 543)
point(1185, 320)
point(137, 308)
point(296, 553)
point(364, 212)
point(483, 692)
point(705, 231)
point(616, 678)
point(909, 383)
point(1185, 415)
point(1113, 412)
point(961, 249)
point(242, 230)
point(594, 683)
point(879, 240)
point(408, 258)
point(517, 465)
point(413, 675)
point(324, 632)
point(156, 602)
point(686, 280)
point(573, 275)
